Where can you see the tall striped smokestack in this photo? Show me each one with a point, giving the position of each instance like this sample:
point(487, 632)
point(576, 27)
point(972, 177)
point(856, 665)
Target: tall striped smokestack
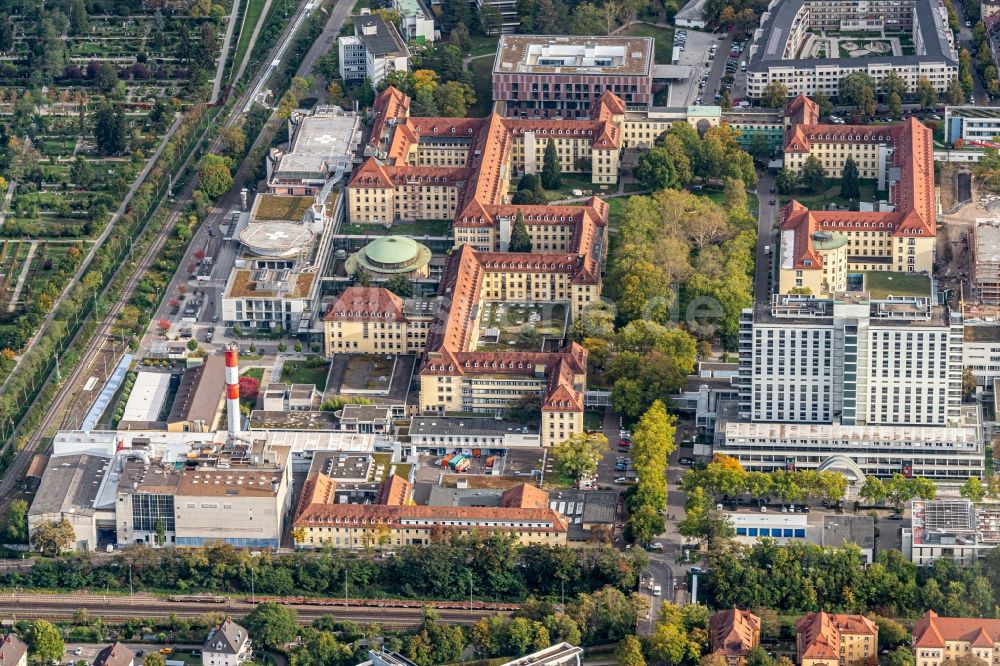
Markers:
point(233, 388)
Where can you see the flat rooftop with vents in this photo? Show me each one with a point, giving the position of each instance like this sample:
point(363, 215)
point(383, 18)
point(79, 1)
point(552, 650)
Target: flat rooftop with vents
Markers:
point(574, 55)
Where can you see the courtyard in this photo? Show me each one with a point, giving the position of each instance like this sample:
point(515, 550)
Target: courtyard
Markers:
point(523, 327)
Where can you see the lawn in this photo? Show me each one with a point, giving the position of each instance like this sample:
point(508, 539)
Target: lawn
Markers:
point(663, 40)
point(832, 195)
point(881, 284)
point(593, 420)
point(305, 372)
point(256, 373)
point(570, 182)
point(482, 81)
point(249, 21)
point(418, 228)
point(483, 45)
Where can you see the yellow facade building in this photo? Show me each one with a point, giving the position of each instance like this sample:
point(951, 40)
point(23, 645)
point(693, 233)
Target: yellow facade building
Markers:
point(835, 639)
point(373, 320)
point(937, 638)
point(818, 249)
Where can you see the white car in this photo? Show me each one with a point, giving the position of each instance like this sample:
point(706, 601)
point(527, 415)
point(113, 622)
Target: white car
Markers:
point(621, 479)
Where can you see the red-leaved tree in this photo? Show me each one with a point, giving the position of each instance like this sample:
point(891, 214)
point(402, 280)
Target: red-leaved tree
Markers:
point(249, 387)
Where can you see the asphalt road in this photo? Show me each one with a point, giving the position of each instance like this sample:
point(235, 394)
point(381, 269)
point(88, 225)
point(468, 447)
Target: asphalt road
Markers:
point(767, 236)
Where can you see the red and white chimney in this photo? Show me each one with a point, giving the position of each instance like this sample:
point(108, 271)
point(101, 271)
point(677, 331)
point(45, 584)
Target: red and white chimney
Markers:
point(233, 388)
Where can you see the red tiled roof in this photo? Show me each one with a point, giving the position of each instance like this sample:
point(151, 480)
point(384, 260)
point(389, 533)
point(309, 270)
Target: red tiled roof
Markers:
point(912, 193)
point(395, 491)
point(323, 515)
point(366, 304)
point(819, 633)
point(932, 630)
point(734, 632)
point(525, 496)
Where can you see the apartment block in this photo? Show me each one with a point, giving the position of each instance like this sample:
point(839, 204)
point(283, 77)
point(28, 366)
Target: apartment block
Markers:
point(984, 244)
point(981, 352)
point(835, 639)
point(937, 638)
point(375, 51)
point(791, 46)
point(557, 76)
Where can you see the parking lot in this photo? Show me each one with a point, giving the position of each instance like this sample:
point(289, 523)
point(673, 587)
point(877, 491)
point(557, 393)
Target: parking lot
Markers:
point(695, 55)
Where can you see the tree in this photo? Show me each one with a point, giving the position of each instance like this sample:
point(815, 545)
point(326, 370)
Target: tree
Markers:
point(657, 168)
point(271, 624)
point(895, 104)
point(335, 93)
point(785, 181)
point(551, 173)
point(824, 103)
point(644, 524)
point(216, 177)
point(629, 652)
point(578, 455)
point(234, 141)
point(987, 170)
point(6, 33)
point(901, 656)
point(968, 383)
point(955, 94)
point(893, 83)
point(853, 87)
point(454, 98)
point(588, 19)
point(726, 99)
point(153, 659)
point(80, 173)
point(17, 521)
point(873, 491)
point(850, 180)
point(106, 76)
point(424, 105)
point(812, 175)
point(520, 241)
point(53, 537)
point(524, 409)
point(160, 529)
point(490, 19)
point(400, 285)
point(774, 95)
point(891, 633)
point(44, 642)
point(926, 95)
point(973, 489)
point(109, 128)
point(192, 344)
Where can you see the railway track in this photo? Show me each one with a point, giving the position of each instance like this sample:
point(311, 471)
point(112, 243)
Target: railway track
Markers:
point(119, 609)
point(69, 408)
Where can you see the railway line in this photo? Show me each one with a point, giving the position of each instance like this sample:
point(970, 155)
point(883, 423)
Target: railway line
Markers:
point(119, 609)
point(69, 408)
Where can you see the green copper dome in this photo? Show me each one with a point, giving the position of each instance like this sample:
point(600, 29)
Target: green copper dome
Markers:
point(391, 255)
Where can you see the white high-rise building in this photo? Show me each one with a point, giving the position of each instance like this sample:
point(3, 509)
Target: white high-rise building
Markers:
point(852, 361)
point(855, 384)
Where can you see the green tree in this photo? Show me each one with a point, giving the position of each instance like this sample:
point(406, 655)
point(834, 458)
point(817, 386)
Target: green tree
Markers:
point(812, 175)
point(17, 521)
point(926, 95)
point(45, 643)
point(726, 99)
point(578, 455)
point(866, 102)
point(234, 141)
point(850, 180)
point(955, 95)
point(901, 656)
point(424, 104)
point(216, 176)
point(629, 652)
point(153, 659)
point(657, 170)
point(774, 95)
point(973, 489)
point(454, 98)
point(644, 524)
point(401, 285)
point(551, 173)
point(109, 128)
point(53, 537)
point(785, 181)
point(6, 33)
point(272, 625)
point(520, 241)
point(853, 89)
point(895, 104)
point(893, 83)
point(588, 19)
point(824, 103)
point(159, 528)
point(891, 634)
point(80, 173)
point(490, 19)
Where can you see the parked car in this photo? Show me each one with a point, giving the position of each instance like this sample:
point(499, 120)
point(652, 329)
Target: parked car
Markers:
point(621, 479)
point(686, 461)
point(896, 516)
point(696, 570)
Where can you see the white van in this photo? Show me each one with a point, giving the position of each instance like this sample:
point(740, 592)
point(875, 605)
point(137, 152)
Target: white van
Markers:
point(657, 591)
point(743, 65)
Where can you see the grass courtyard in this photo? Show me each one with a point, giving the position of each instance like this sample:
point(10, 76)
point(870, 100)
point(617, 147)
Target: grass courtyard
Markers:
point(882, 284)
point(520, 326)
point(312, 371)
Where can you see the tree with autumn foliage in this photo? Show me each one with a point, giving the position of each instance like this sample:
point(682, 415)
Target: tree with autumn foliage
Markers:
point(249, 387)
